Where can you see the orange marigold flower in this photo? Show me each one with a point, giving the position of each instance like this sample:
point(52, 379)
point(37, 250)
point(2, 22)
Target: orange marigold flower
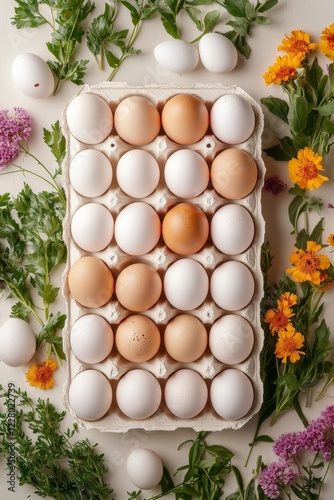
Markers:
point(284, 69)
point(288, 345)
point(297, 44)
point(308, 264)
point(326, 46)
point(278, 319)
point(330, 239)
point(304, 170)
point(41, 375)
point(287, 299)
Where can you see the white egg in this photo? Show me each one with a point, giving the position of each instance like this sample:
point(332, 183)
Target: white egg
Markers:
point(177, 55)
point(92, 227)
point(89, 118)
point(217, 53)
point(138, 394)
point(144, 468)
point(186, 393)
point(232, 229)
point(231, 339)
point(186, 173)
point(32, 75)
point(232, 119)
point(232, 285)
point(231, 394)
point(137, 228)
point(91, 338)
point(90, 395)
point(186, 284)
point(90, 173)
point(17, 342)
point(138, 173)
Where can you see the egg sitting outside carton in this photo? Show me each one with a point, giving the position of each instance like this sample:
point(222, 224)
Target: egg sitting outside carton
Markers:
point(215, 51)
point(17, 342)
point(32, 75)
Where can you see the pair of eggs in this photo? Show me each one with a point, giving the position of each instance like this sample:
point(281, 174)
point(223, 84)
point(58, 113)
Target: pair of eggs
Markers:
point(186, 284)
point(185, 228)
point(139, 394)
point(215, 51)
point(186, 173)
point(137, 338)
point(184, 119)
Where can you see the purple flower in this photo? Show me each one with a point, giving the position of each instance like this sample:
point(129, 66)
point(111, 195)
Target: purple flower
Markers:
point(319, 435)
point(275, 477)
point(13, 129)
point(288, 445)
point(274, 185)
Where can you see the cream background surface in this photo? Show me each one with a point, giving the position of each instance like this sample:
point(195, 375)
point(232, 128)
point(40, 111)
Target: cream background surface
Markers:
point(309, 15)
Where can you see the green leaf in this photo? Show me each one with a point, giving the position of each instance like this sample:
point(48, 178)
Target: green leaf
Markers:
point(55, 139)
point(211, 19)
point(297, 206)
point(19, 310)
point(277, 107)
point(113, 60)
point(263, 438)
point(134, 11)
point(289, 380)
point(262, 20)
point(236, 8)
point(326, 109)
point(277, 153)
point(298, 114)
point(267, 5)
point(317, 232)
point(27, 14)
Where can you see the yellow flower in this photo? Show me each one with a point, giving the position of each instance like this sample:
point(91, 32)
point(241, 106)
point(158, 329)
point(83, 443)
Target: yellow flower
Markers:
point(327, 284)
point(287, 299)
point(284, 69)
point(297, 44)
point(278, 319)
point(288, 345)
point(304, 170)
point(326, 46)
point(330, 239)
point(41, 375)
point(308, 264)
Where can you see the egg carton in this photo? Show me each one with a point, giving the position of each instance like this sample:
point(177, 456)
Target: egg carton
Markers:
point(162, 365)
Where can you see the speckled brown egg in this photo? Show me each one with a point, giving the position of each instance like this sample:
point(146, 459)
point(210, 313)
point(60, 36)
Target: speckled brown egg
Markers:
point(137, 338)
point(138, 287)
point(234, 174)
point(90, 282)
point(185, 229)
point(185, 118)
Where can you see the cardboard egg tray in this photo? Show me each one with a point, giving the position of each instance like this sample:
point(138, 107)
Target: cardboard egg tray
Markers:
point(162, 365)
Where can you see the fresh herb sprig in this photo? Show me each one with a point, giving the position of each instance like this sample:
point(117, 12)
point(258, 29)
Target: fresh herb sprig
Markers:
point(32, 244)
point(205, 474)
point(65, 20)
point(244, 15)
point(54, 463)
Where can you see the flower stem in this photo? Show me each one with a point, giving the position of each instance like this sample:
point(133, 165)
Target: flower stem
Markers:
point(132, 39)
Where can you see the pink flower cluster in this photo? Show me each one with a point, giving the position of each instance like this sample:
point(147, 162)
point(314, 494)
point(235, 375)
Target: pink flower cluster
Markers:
point(317, 439)
point(13, 129)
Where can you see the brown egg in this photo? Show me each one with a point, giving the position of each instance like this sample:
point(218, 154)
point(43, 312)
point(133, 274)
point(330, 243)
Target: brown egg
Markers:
point(90, 282)
point(185, 338)
point(138, 287)
point(137, 121)
point(185, 118)
point(234, 174)
point(185, 229)
point(137, 338)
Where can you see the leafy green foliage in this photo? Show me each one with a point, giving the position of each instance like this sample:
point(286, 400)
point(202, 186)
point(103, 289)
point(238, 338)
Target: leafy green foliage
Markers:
point(244, 15)
point(204, 475)
point(66, 22)
point(32, 246)
point(51, 461)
